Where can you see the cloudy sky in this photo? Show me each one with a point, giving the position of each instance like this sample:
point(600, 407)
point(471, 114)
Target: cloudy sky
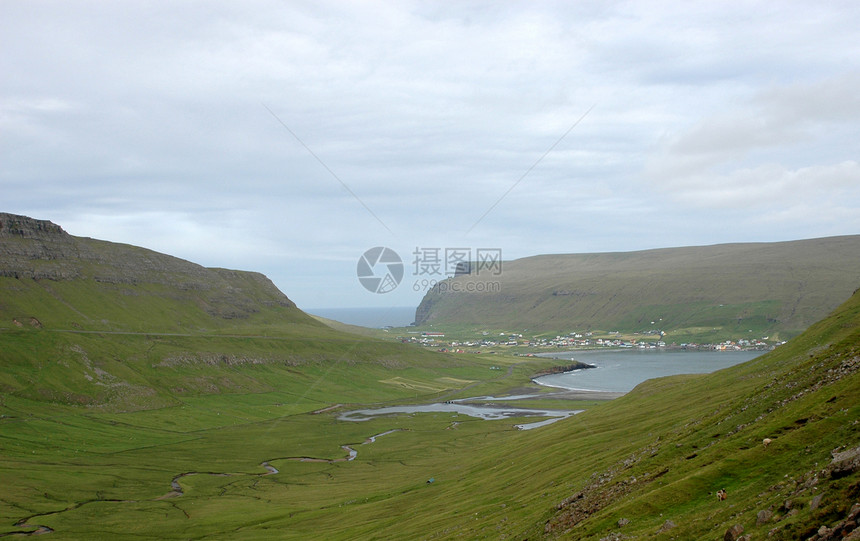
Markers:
point(289, 137)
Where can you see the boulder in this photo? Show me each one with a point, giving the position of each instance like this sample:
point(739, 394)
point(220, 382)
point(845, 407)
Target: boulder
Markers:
point(734, 533)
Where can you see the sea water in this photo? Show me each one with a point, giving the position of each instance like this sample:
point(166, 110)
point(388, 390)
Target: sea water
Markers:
point(622, 370)
point(376, 317)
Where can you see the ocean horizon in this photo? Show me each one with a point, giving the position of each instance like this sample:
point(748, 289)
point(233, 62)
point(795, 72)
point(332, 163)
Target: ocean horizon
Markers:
point(373, 317)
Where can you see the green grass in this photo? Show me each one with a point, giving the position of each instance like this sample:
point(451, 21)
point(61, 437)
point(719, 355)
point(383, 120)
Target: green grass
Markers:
point(131, 383)
point(98, 473)
point(769, 288)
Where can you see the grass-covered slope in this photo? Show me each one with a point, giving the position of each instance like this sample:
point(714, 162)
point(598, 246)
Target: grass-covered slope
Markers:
point(114, 326)
point(645, 466)
point(767, 288)
point(671, 444)
point(122, 370)
point(54, 280)
point(110, 432)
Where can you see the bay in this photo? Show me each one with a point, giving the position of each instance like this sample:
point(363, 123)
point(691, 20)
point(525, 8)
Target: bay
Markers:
point(622, 370)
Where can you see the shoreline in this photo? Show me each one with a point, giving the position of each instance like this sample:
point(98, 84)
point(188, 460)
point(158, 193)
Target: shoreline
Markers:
point(568, 393)
point(582, 394)
point(700, 347)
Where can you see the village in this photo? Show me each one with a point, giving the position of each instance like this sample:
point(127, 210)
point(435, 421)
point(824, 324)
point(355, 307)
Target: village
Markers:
point(652, 339)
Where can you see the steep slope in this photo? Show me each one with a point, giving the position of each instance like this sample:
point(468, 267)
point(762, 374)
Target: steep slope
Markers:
point(109, 325)
point(765, 287)
point(52, 279)
point(780, 434)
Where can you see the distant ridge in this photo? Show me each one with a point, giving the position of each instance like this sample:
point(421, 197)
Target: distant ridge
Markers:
point(123, 328)
point(66, 281)
point(779, 287)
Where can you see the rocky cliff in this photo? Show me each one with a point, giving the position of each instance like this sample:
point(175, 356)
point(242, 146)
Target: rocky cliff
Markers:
point(42, 265)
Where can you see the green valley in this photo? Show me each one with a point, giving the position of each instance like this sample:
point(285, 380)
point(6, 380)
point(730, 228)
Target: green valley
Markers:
point(145, 397)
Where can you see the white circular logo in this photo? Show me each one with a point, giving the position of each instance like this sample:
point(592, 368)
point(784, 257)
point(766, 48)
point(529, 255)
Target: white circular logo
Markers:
point(380, 270)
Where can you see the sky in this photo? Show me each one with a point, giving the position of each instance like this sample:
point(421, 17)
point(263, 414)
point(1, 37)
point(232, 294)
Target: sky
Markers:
point(291, 137)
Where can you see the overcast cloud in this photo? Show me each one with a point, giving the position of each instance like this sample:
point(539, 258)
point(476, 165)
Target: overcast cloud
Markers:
point(168, 125)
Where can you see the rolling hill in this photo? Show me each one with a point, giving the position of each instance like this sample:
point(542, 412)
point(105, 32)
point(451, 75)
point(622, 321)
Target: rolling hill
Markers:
point(192, 403)
point(101, 324)
point(691, 293)
point(60, 281)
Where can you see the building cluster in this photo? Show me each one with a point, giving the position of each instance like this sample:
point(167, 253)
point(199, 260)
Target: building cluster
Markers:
point(731, 345)
point(648, 340)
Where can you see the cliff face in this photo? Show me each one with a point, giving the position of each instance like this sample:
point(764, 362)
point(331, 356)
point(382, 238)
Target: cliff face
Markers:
point(12, 225)
point(26, 245)
point(36, 253)
point(40, 249)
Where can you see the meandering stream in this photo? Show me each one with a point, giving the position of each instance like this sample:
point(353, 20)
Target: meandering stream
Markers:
point(461, 406)
point(176, 488)
point(465, 406)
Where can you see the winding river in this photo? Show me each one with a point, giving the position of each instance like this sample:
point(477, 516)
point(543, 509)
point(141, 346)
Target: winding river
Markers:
point(462, 406)
point(176, 488)
point(617, 373)
point(465, 406)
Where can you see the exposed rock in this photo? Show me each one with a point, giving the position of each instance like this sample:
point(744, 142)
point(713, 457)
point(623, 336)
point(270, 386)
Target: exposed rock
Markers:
point(668, 525)
point(42, 251)
point(734, 533)
point(845, 529)
point(13, 225)
point(844, 463)
point(763, 516)
point(623, 522)
point(816, 501)
point(604, 489)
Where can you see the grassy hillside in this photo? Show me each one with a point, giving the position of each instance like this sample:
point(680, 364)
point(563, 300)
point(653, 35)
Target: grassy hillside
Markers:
point(626, 469)
point(671, 461)
point(115, 423)
point(54, 280)
point(114, 326)
point(737, 289)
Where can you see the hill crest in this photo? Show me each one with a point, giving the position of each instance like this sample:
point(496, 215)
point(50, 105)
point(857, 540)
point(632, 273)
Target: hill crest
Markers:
point(77, 282)
point(780, 287)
